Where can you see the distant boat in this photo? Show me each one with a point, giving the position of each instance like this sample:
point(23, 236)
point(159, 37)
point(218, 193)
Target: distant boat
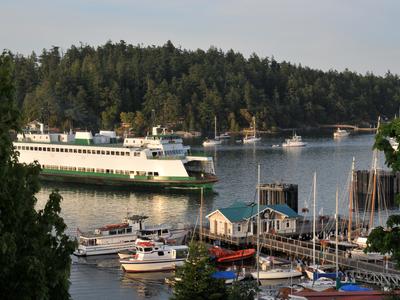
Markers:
point(295, 141)
point(225, 135)
point(340, 133)
point(216, 140)
point(251, 139)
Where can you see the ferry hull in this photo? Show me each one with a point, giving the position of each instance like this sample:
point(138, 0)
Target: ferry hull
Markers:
point(127, 182)
point(102, 249)
point(150, 266)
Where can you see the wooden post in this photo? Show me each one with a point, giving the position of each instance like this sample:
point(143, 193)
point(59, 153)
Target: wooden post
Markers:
point(201, 215)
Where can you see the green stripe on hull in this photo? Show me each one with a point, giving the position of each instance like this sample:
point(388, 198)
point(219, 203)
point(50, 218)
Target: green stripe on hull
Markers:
point(125, 180)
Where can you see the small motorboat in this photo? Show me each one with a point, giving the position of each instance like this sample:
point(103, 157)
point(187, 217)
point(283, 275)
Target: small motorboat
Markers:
point(294, 141)
point(340, 133)
point(277, 274)
point(224, 255)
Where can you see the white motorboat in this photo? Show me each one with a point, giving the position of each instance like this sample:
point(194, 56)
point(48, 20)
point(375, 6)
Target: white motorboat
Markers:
point(216, 141)
point(294, 141)
point(340, 133)
point(225, 135)
point(277, 274)
point(152, 258)
point(251, 139)
point(124, 254)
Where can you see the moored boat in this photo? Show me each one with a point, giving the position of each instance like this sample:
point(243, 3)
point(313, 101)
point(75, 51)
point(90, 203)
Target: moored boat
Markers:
point(294, 141)
point(340, 133)
point(277, 274)
point(216, 141)
point(224, 255)
point(153, 258)
point(159, 160)
point(251, 139)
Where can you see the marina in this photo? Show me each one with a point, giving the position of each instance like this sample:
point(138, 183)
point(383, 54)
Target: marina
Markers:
point(163, 208)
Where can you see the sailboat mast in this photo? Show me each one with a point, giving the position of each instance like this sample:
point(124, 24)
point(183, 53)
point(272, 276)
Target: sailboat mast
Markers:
point(201, 214)
point(351, 191)
point(337, 231)
point(215, 127)
point(315, 194)
point(254, 124)
point(258, 223)
point(371, 218)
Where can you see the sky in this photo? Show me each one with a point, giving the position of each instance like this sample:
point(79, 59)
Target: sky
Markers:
point(360, 35)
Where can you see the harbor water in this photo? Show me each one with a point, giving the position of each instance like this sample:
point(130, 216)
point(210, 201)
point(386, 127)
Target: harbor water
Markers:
point(88, 207)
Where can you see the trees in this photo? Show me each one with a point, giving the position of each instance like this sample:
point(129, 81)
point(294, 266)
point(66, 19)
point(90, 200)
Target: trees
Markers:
point(197, 282)
point(34, 250)
point(89, 87)
point(387, 240)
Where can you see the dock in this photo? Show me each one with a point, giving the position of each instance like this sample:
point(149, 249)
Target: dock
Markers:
point(383, 275)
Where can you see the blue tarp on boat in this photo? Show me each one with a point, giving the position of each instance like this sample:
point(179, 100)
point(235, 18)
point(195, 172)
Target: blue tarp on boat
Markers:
point(317, 275)
point(354, 288)
point(224, 275)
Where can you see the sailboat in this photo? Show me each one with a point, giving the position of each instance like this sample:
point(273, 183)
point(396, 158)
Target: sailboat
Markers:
point(249, 139)
point(216, 140)
point(273, 273)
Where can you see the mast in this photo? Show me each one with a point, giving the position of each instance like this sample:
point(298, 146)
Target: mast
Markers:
point(371, 218)
point(258, 224)
point(315, 194)
point(337, 231)
point(201, 214)
point(254, 124)
point(215, 127)
point(351, 192)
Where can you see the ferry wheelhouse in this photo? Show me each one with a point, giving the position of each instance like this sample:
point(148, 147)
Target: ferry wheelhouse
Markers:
point(156, 161)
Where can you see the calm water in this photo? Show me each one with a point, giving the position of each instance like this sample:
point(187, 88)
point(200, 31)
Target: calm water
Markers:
point(236, 167)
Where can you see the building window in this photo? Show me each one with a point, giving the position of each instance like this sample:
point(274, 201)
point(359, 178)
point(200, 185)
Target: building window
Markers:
point(239, 227)
point(277, 224)
point(112, 152)
point(122, 153)
point(108, 152)
point(287, 224)
point(84, 151)
point(103, 152)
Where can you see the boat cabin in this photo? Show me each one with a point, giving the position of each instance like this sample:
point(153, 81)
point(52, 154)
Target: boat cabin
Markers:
point(240, 220)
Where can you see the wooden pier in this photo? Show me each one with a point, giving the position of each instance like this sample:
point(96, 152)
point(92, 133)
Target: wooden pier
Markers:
point(384, 275)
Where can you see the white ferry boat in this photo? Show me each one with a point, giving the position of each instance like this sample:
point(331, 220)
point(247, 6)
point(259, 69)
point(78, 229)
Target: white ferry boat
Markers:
point(295, 141)
point(150, 257)
point(156, 161)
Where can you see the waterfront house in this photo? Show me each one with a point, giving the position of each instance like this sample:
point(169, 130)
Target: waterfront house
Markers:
point(240, 220)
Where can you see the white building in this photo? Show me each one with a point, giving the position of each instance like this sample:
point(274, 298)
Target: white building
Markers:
point(240, 220)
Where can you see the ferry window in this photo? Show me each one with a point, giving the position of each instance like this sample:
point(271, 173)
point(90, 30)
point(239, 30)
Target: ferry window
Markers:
point(88, 151)
point(107, 171)
point(108, 152)
point(98, 151)
point(160, 253)
point(61, 150)
point(35, 148)
point(84, 151)
point(103, 152)
point(70, 150)
point(165, 231)
point(57, 149)
point(121, 231)
point(122, 153)
point(40, 148)
point(147, 249)
point(128, 230)
point(150, 173)
point(53, 150)
point(127, 154)
point(75, 151)
point(23, 147)
point(79, 151)
point(155, 173)
point(117, 153)
point(112, 232)
point(112, 152)
point(44, 149)
point(48, 149)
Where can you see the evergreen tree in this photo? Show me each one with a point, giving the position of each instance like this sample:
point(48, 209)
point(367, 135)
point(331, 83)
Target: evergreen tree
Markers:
point(196, 281)
point(34, 250)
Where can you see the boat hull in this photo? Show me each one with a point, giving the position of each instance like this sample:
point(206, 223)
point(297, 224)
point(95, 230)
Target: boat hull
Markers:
point(168, 183)
point(103, 249)
point(276, 275)
point(131, 266)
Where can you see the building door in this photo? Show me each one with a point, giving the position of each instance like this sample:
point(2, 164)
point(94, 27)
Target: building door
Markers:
point(215, 227)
